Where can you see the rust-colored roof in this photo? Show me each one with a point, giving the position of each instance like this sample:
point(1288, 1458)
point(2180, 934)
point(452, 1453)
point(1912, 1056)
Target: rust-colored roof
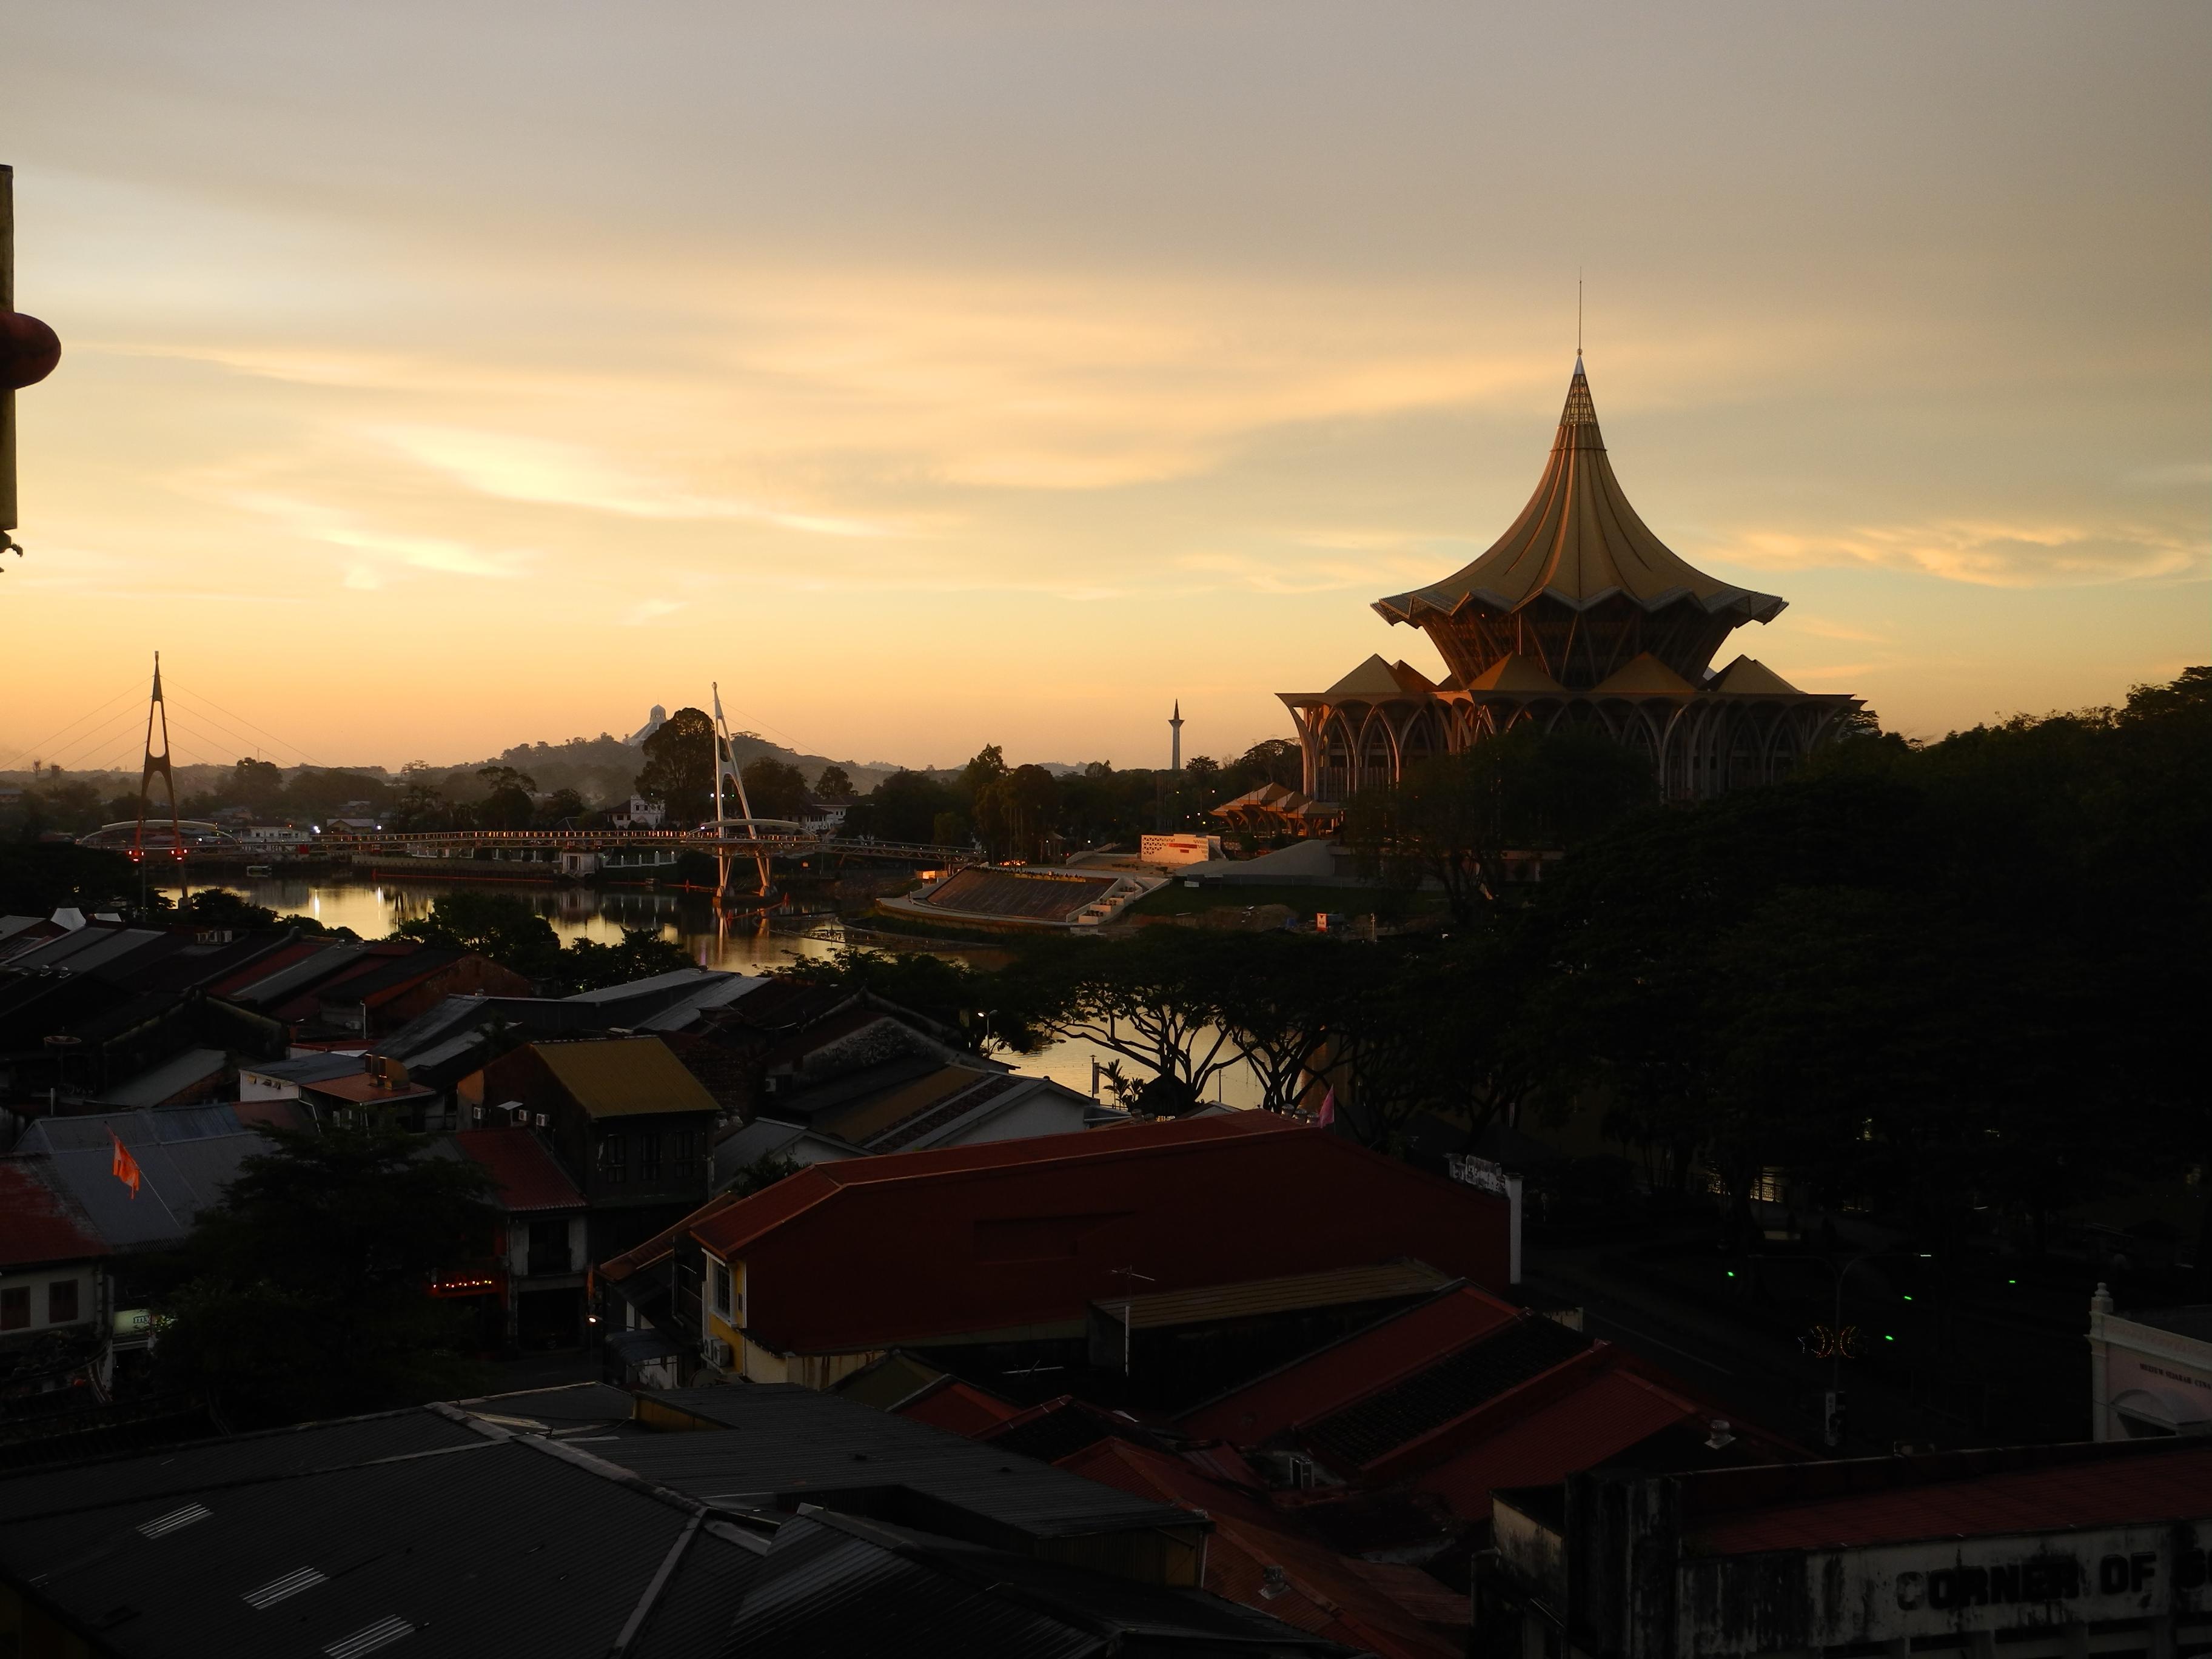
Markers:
point(1579, 542)
point(528, 1177)
point(1310, 1387)
point(1383, 1281)
point(362, 1090)
point(624, 1077)
point(729, 1231)
point(38, 1225)
point(1612, 1411)
point(959, 1408)
point(1319, 1591)
point(2089, 1493)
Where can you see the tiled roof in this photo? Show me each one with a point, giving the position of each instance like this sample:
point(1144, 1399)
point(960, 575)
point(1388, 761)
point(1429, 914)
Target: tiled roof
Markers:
point(38, 1225)
point(529, 1180)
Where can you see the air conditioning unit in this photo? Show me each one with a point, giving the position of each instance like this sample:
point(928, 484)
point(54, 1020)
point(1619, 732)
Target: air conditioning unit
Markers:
point(717, 1352)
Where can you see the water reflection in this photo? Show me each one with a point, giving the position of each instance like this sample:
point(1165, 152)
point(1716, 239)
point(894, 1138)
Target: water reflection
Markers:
point(373, 908)
point(736, 943)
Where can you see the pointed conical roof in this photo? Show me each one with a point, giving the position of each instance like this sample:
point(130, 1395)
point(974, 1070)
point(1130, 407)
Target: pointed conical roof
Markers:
point(1516, 673)
point(1579, 542)
point(1377, 678)
point(1640, 675)
point(1748, 677)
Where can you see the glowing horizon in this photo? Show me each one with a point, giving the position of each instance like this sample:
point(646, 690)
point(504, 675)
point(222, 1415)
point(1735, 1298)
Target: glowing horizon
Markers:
point(439, 380)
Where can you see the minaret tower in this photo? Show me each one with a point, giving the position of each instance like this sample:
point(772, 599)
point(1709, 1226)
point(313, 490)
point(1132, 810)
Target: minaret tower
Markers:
point(1174, 738)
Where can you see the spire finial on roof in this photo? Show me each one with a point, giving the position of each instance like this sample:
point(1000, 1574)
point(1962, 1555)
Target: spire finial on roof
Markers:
point(1578, 317)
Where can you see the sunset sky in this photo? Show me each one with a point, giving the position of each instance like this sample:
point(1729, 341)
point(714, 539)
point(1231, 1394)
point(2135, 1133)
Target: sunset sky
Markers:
point(439, 376)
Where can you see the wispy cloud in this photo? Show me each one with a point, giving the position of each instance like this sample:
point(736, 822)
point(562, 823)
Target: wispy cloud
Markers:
point(518, 468)
point(383, 549)
point(1985, 554)
point(645, 611)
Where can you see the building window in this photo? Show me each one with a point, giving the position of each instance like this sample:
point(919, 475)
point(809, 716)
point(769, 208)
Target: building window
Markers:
point(648, 1158)
point(610, 1160)
point(61, 1302)
point(687, 1153)
point(15, 1308)
point(718, 1289)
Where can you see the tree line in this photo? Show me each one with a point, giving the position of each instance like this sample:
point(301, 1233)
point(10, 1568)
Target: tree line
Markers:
point(1958, 984)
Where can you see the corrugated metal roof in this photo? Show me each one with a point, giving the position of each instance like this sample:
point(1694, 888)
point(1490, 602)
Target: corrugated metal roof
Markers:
point(1311, 1386)
point(2171, 1486)
point(787, 1443)
point(183, 1470)
point(294, 976)
point(624, 1077)
point(170, 1078)
point(177, 1179)
point(675, 979)
point(306, 1068)
point(1382, 1282)
point(495, 1548)
point(832, 1583)
point(697, 1004)
point(1612, 1411)
point(691, 1618)
point(136, 1126)
point(1325, 1592)
point(529, 1180)
point(734, 1227)
point(38, 1223)
point(1430, 1398)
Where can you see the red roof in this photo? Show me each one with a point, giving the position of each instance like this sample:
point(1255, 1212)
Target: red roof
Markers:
point(1319, 1383)
point(528, 1177)
point(1351, 1601)
point(1613, 1411)
point(738, 1225)
point(955, 1407)
point(2096, 1491)
point(1027, 1232)
point(37, 1225)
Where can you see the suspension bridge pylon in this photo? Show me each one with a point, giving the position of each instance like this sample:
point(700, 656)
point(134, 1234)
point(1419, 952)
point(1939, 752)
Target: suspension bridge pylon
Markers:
point(157, 711)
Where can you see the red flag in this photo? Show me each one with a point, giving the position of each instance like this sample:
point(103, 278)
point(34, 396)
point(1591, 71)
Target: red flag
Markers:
point(1327, 1109)
point(125, 1167)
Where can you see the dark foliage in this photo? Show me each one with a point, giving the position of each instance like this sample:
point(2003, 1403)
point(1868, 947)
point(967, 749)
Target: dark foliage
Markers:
point(305, 1293)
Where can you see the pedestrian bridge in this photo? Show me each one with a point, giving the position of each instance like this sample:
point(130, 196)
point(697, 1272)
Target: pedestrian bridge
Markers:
point(751, 838)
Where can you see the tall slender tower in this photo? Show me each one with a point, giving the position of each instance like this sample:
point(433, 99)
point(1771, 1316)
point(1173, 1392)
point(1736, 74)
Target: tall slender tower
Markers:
point(1174, 738)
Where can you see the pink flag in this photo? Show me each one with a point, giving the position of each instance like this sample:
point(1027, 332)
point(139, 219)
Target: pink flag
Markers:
point(1327, 1109)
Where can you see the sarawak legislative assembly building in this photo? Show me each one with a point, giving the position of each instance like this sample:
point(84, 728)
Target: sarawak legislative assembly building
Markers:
point(1579, 615)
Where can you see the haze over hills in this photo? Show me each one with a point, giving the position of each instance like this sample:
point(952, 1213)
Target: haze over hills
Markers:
point(602, 769)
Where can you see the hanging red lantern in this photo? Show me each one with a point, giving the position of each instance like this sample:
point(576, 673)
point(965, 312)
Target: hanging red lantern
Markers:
point(28, 350)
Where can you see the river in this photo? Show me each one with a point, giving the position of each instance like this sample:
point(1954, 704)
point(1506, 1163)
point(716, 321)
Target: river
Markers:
point(740, 945)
